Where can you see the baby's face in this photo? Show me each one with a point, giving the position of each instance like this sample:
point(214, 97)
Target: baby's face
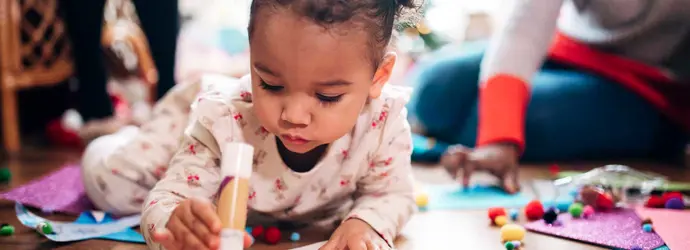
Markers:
point(309, 83)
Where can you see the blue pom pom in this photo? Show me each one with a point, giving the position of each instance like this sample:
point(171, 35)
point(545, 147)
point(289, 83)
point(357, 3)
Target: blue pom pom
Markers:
point(514, 214)
point(249, 230)
point(294, 236)
point(647, 228)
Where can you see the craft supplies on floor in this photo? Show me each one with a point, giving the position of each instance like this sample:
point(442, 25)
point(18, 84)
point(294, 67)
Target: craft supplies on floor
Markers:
point(619, 228)
point(669, 224)
point(59, 191)
point(453, 196)
point(82, 228)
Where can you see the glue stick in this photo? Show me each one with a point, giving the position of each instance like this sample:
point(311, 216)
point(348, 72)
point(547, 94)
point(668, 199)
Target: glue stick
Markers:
point(236, 168)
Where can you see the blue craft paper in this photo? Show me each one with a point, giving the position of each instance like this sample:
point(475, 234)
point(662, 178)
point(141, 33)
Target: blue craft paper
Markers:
point(128, 235)
point(453, 196)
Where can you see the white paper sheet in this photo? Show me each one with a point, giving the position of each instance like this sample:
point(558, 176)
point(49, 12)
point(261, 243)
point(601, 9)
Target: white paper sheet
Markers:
point(314, 246)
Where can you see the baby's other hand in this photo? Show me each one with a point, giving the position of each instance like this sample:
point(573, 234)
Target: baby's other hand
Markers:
point(193, 225)
point(355, 234)
point(501, 160)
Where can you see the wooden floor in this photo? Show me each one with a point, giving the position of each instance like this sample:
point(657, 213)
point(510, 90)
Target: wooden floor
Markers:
point(435, 230)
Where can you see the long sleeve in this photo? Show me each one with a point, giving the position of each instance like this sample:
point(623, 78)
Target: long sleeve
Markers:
point(384, 197)
point(145, 158)
point(194, 169)
point(514, 55)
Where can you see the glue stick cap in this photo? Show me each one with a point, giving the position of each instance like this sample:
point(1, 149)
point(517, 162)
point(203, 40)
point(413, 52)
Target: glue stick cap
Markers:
point(237, 160)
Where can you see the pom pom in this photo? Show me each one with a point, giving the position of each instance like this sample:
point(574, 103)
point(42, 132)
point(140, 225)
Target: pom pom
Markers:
point(604, 202)
point(655, 202)
point(422, 200)
point(554, 169)
point(501, 220)
point(674, 203)
point(575, 210)
point(534, 210)
point(647, 228)
point(550, 216)
point(257, 232)
point(5, 175)
point(514, 214)
point(646, 220)
point(588, 211)
point(512, 232)
point(6, 230)
point(248, 229)
point(294, 237)
point(668, 195)
point(517, 244)
point(495, 212)
point(45, 227)
point(272, 235)
point(509, 245)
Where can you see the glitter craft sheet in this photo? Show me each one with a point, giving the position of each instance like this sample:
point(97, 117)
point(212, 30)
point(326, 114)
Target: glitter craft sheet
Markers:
point(60, 191)
point(616, 229)
point(669, 224)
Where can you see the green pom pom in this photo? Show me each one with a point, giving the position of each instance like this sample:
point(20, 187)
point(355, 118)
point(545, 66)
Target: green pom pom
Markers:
point(45, 228)
point(509, 245)
point(6, 230)
point(5, 175)
point(576, 210)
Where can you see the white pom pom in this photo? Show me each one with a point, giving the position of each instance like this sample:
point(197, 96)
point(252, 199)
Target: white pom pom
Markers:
point(72, 120)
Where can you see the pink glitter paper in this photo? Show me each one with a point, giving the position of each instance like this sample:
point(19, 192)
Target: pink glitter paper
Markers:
point(60, 191)
point(618, 229)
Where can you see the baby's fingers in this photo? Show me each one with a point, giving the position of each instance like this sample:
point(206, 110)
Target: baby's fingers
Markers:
point(467, 171)
point(510, 181)
point(335, 243)
point(358, 244)
point(165, 238)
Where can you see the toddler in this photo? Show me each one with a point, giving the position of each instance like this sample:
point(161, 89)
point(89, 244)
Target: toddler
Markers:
point(331, 141)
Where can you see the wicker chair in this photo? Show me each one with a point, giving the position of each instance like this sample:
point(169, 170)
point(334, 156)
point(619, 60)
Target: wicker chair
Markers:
point(33, 52)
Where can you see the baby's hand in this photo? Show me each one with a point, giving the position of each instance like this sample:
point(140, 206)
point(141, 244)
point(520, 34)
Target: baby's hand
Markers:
point(355, 234)
point(501, 160)
point(193, 225)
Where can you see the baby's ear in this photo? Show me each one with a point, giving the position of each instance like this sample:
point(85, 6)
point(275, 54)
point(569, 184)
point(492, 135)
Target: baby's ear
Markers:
point(383, 74)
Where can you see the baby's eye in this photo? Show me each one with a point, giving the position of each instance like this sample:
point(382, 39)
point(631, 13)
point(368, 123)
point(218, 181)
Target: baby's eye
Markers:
point(271, 88)
point(328, 98)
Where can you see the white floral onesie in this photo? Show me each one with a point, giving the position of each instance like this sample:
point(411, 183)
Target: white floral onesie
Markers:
point(366, 174)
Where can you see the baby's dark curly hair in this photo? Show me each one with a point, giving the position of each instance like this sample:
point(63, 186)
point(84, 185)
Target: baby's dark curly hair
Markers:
point(378, 17)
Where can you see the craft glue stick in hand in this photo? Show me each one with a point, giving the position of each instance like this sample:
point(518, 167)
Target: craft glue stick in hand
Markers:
point(236, 168)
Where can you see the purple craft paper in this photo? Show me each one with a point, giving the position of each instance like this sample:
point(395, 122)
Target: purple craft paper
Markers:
point(60, 191)
point(618, 228)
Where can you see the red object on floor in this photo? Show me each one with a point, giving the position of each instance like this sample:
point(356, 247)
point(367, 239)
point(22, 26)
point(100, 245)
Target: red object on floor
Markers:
point(272, 235)
point(604, 202)
point(59, 135)
point(495, 212)
point(257, 231)
point(554, 169)
point(655, 201)
point(668, 195)
point(534, 210)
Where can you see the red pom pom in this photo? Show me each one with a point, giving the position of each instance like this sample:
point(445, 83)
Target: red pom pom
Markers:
point(257, 231)
point(655, 202)
point(495, 212)
point(534, 210)
point(272, 235)
point(604, 202)
point(668, 195)
point(554, 169)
